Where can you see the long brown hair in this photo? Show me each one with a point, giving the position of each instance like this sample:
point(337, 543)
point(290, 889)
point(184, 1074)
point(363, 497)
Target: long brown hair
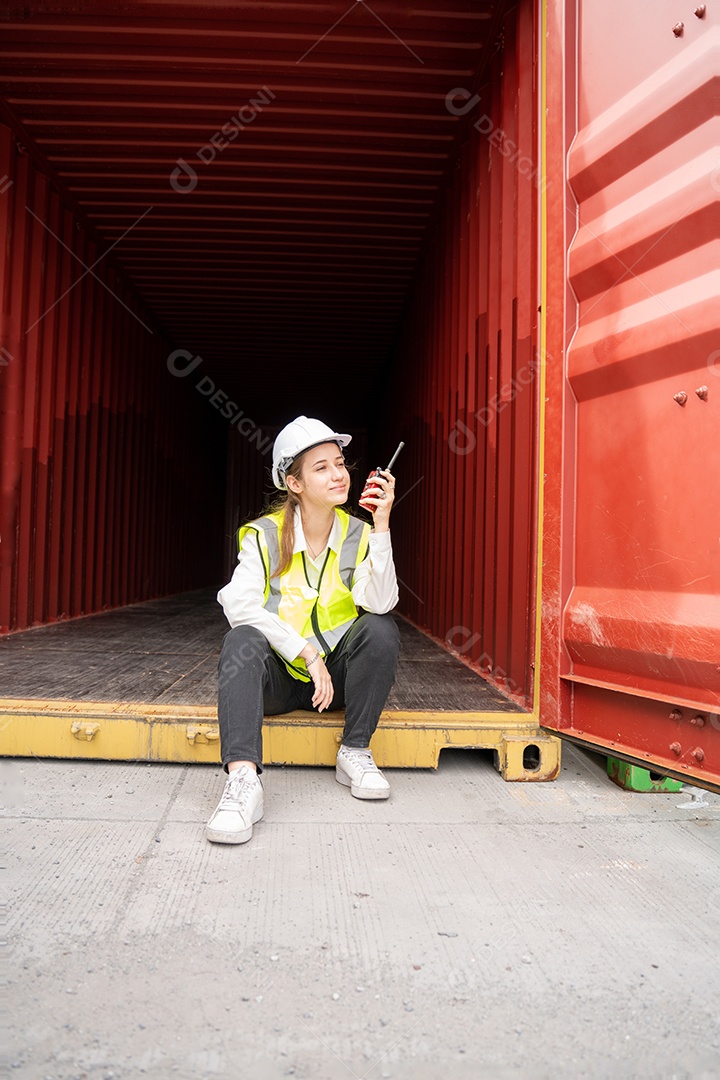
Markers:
point(286, 504)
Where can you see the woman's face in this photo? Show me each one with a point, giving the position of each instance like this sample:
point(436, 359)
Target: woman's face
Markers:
point(324, 479)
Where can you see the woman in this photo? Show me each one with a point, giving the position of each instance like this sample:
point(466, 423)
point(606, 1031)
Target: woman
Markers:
point(308, 605)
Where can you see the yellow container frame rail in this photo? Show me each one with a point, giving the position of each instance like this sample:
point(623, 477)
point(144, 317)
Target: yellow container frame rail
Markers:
point(131, 731)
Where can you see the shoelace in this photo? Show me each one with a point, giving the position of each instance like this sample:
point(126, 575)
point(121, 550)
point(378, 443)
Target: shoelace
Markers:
point(236, 793)
point(363, 758)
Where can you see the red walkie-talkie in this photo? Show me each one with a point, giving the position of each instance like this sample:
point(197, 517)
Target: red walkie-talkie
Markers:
point(371, 489)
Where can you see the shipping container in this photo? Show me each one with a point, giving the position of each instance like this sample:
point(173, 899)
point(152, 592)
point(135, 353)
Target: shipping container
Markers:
point(487, 228)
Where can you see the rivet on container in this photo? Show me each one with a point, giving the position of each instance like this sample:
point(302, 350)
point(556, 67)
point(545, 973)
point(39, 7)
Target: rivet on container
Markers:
point(697, 721)
point(702, 392)
point(680, 397)
point(679, 29)
point(700, 11)
point(698, 754)
point(676, 748)
point(675, 715)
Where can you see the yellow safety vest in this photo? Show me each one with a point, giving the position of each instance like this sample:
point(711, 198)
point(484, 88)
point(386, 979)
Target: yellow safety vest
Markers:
point(323, 615)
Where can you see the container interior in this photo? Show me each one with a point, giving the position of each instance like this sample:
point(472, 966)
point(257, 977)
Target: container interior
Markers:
point(217, 223)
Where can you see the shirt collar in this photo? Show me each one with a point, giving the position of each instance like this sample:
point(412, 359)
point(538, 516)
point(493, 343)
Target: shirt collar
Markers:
point(301, 542)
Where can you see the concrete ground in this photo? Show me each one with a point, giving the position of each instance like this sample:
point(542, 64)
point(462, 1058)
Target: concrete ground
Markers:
point(466, 927)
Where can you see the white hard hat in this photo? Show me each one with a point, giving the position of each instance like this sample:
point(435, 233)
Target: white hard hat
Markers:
point(297, 437)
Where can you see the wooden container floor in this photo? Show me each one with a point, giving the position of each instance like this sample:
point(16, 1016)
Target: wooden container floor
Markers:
point(166, 652)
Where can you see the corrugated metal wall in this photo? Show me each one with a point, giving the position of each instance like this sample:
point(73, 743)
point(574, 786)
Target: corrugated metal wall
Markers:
point(463, 391)
point(644, 612)
point(111, 483)
point(265, 172)
point(642, 622)
point(249, 458)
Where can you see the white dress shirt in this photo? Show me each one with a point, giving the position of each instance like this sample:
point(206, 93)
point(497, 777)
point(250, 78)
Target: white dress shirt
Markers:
point(374, 586)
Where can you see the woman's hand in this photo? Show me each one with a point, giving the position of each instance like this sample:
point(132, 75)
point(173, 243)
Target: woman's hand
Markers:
point(380, 503)
point(318, 672)
point(324, 689)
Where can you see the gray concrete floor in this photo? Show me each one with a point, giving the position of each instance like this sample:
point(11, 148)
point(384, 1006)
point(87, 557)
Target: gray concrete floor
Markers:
point(464, 928)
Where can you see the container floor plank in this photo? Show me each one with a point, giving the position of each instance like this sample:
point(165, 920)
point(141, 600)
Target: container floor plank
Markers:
point(166, 652)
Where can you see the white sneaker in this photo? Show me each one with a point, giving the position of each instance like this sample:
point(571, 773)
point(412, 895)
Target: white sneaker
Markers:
point(357, 770)
point(239, 808)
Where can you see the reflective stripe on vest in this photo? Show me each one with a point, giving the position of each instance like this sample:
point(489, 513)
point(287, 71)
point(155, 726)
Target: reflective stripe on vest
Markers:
point(323, 615)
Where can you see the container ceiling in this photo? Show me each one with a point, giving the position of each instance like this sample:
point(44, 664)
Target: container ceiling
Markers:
point(285, 247)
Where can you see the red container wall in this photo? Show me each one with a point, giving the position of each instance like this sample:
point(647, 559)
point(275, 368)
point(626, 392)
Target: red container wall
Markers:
point(249, 459)
point(630, 588)
point(641, 626)
point(644, 612)
point(109, 484)
point(464, 388)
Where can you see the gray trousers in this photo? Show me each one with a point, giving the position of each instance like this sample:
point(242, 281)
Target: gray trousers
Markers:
point(253, 682)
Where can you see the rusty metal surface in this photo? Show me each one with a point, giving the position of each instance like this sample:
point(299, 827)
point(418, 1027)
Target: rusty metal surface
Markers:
point(464, 388)
point(641, 576)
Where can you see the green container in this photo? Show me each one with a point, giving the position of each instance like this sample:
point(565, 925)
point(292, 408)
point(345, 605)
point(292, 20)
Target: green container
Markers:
point(635, 778)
